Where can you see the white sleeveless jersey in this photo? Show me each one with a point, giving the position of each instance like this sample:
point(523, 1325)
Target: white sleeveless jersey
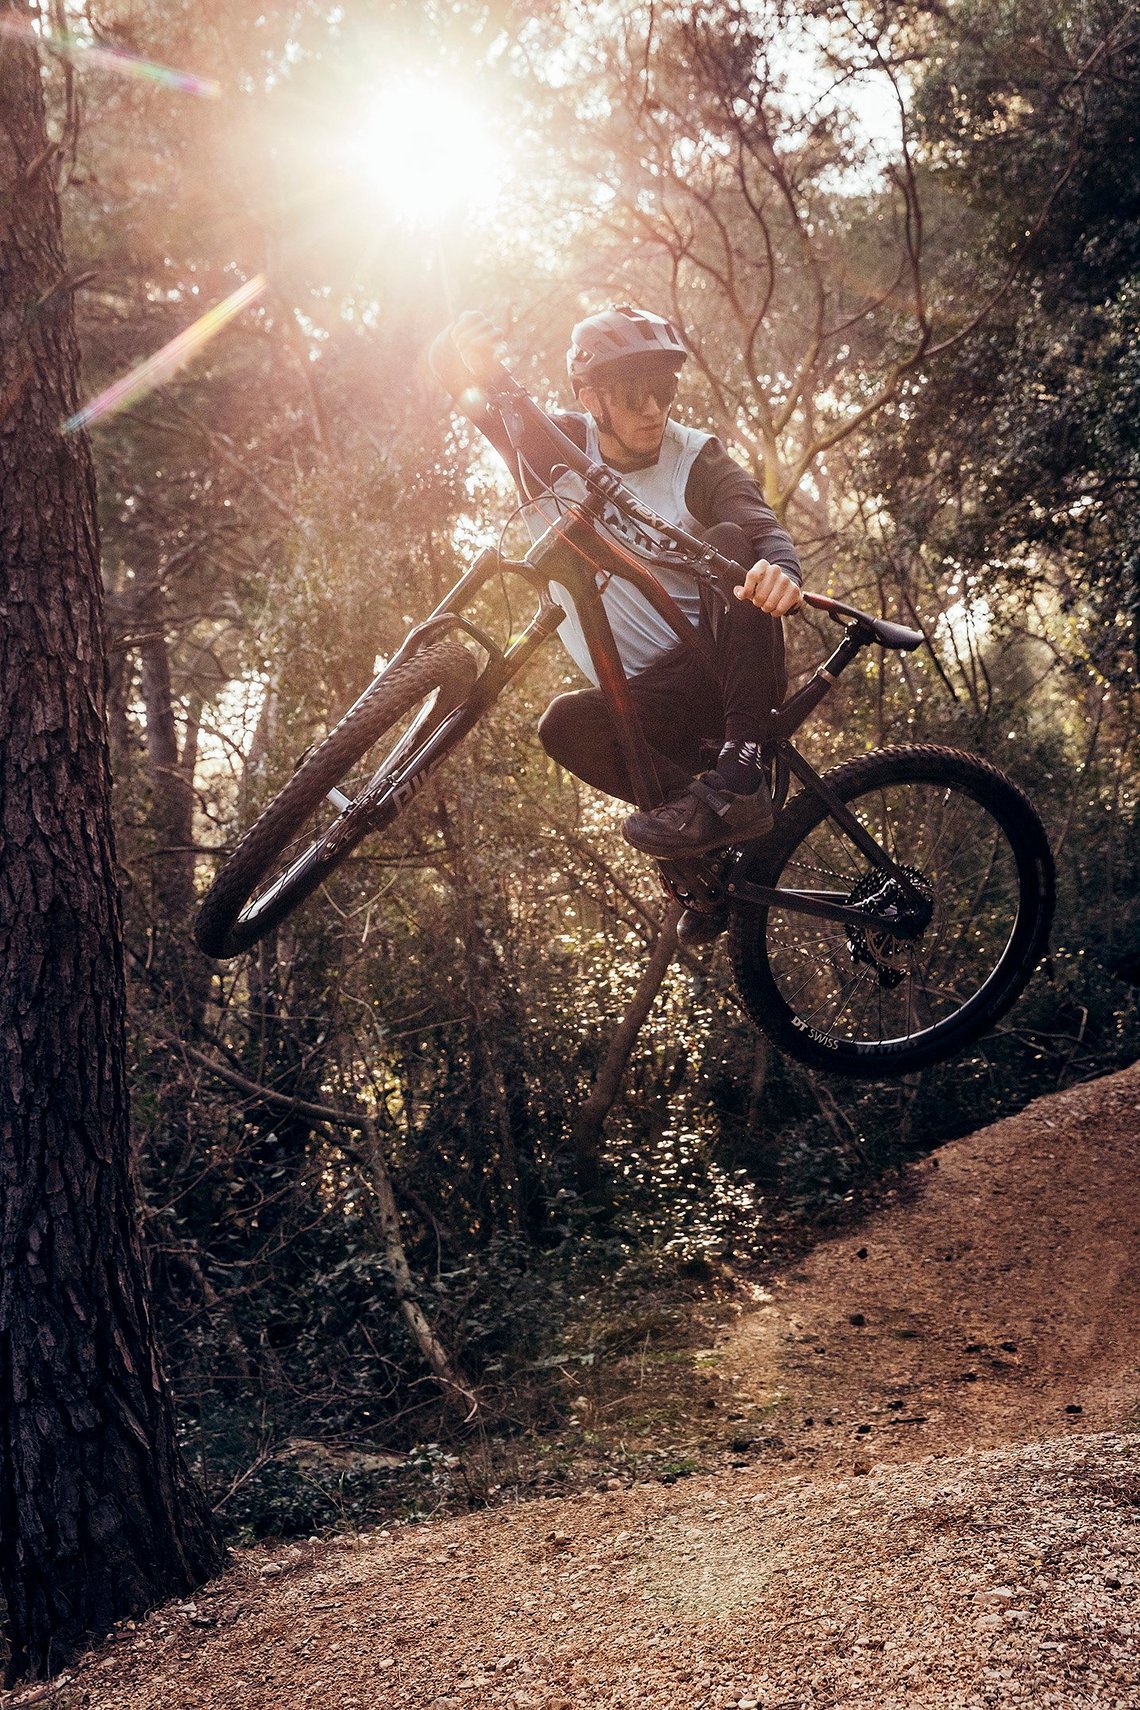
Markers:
point(640, 633)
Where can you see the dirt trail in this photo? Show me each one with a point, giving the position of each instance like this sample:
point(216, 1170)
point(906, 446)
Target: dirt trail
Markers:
point(999, 1303)
point(934, 1525)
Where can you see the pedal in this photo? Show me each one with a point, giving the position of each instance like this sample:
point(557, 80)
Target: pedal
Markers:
point(697, 885)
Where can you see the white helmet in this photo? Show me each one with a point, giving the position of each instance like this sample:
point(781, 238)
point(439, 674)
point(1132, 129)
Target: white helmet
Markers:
point(620, 335)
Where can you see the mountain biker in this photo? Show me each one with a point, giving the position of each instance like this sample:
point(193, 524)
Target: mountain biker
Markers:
point(623, 365)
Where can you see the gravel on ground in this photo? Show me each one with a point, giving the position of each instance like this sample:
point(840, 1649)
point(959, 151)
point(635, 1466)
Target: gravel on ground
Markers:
point(937, 1501)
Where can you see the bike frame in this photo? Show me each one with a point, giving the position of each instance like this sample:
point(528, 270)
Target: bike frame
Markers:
point(575, 553)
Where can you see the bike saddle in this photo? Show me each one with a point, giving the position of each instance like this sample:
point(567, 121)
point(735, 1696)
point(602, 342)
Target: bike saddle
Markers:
point(897, 635)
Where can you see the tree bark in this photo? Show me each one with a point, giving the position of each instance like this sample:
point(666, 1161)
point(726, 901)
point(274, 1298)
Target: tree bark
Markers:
point(588, 1124)
point(98, 1516)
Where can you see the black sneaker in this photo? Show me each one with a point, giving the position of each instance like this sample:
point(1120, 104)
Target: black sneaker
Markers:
point(703, 817)
point(695, 928)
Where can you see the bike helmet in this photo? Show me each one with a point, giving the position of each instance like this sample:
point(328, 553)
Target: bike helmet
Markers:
point(620, 335)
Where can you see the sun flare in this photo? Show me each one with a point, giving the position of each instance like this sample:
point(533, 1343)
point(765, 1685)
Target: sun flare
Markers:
point(428, 152)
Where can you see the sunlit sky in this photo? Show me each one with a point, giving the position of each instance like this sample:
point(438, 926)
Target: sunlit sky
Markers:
point(427, 150)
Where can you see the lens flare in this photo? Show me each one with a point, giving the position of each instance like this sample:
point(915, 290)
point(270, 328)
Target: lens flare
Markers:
point(113, 59)
point(165, 363)
point(427, 151)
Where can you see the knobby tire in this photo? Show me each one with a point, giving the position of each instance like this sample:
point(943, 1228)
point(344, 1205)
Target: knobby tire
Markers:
point(870, 1005)
point(234, 914)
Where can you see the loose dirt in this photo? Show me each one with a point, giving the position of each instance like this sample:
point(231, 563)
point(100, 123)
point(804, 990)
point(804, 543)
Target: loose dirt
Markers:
point(937, 1504)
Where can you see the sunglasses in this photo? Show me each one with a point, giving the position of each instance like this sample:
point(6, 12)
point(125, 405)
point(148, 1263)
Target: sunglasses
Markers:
point(634, 395)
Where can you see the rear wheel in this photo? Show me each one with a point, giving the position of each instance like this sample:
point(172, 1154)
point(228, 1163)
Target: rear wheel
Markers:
point(314, 823)
point(869, 1000)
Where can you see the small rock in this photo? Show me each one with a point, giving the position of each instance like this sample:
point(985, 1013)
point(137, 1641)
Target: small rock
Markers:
point(1073, 1408)
point(861, 1253)
point(271, 1570)
point(857, 1319)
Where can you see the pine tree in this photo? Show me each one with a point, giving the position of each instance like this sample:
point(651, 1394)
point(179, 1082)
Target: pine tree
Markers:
point(98, 1515)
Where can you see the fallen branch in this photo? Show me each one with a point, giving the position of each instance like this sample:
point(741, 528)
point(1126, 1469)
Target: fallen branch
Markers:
point(596, 1106)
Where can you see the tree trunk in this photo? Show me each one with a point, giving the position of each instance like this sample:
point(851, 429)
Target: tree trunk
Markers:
point(98, 1516)
point(588, 1124)
point(456, 1392)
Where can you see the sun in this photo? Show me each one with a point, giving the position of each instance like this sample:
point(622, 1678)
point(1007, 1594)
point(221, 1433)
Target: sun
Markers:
point(428, 152)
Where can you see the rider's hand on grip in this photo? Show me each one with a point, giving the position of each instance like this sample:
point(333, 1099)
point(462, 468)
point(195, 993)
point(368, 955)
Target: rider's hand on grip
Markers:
point(770, 589)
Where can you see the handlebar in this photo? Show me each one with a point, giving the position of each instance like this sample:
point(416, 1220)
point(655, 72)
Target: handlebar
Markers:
point(602, 481)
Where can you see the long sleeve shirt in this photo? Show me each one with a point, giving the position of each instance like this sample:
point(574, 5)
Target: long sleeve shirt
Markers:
point(715, 489)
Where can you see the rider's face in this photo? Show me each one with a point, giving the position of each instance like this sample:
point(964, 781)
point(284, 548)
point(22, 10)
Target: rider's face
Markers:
point(635, 410)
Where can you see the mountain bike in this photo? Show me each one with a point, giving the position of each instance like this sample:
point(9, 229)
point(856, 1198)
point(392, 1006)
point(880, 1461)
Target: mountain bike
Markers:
point(894, 913)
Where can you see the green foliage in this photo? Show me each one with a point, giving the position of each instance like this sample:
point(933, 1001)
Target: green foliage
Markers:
point(954, 438)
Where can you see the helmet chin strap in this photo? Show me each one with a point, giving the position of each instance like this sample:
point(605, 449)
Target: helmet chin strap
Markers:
point(605, 423)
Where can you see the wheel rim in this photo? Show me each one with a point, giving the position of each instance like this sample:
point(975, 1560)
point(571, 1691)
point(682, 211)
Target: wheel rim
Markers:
point(865, 989)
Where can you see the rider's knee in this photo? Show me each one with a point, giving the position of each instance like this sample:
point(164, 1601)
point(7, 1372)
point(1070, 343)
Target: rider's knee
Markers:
point(560, 727)
point(730, 540)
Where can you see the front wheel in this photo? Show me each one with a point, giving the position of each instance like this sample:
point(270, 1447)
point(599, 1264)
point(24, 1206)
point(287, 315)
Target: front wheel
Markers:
point(314, 823)
point(862, 1000)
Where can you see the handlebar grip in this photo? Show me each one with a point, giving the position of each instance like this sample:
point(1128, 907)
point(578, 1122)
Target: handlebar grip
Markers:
point(887, 634)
